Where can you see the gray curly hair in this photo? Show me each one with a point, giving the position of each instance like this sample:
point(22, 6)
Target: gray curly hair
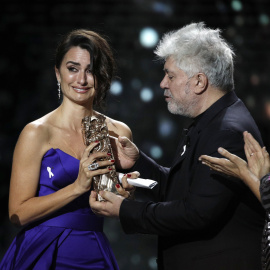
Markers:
point(196, 48)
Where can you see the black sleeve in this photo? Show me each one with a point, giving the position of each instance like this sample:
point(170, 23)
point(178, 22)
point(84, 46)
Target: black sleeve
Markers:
point(206, 202)
point(149, 169)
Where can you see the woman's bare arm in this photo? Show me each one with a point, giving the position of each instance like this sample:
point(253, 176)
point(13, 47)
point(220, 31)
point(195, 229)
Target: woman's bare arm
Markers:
point(24, 205)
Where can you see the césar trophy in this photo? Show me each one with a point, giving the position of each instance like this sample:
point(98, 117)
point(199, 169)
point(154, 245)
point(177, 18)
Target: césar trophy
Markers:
point(94, 128)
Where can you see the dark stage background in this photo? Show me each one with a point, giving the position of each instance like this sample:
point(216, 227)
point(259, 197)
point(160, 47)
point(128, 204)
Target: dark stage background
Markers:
point(29, 33)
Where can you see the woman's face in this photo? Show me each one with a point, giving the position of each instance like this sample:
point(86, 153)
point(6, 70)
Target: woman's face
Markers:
point(75, 77)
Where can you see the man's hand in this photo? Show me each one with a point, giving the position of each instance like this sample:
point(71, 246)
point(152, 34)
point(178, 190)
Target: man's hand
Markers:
point(125, 152)
point(108, 208)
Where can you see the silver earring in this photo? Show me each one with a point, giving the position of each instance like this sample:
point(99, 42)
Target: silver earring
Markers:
point(59, 90)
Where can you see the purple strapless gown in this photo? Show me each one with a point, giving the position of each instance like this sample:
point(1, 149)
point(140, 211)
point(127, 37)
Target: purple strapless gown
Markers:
point(72, 238)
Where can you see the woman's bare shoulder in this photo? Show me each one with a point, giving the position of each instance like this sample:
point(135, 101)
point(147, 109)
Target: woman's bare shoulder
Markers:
point(38, 128)
point(118, 128)
point(36, 133)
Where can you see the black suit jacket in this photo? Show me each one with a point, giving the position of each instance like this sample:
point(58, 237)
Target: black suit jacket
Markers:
point(203, 220)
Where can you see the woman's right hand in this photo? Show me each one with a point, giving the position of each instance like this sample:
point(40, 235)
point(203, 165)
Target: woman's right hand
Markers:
point(85, 176)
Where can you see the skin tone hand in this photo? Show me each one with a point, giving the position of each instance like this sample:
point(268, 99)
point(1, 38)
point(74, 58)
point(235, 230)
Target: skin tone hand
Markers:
point(258, 158)
point(231, 165)
point(85, 176)
point(250, 172)
point(125, 152)
point(111, 206)
point(108, 208)
point(127, 190)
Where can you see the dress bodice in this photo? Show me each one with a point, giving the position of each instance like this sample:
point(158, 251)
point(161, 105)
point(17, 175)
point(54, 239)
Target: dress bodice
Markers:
point(70, 238)
point(59, 169)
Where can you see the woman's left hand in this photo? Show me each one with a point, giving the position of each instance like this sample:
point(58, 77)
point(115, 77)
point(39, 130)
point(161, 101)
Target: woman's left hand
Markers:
point(127, 190)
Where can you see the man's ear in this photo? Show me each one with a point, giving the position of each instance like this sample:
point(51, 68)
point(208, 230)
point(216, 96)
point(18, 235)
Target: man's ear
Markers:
point(201, 83)
point(57, 73)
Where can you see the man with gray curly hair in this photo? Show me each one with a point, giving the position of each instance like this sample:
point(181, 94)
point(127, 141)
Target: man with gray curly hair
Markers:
point(195, 49)
point(203, 221)
point(199, 53)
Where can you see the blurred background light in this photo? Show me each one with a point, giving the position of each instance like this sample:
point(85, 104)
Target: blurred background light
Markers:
point(264, 19)
point(148, 37)
point(152, 263)
point(146, 94)
point(156, 152)
point(255, 79)
point(163, 8)
point(165, 127)
point(116, 88)
point(250, 101)
point(236, 5)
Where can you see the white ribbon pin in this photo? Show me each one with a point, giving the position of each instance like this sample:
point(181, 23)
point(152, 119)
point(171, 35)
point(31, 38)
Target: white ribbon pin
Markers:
point(50, 172)
point(184, 150)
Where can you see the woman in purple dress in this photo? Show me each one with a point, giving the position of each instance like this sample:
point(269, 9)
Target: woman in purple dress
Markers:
point(50, 180)
point(255, 173)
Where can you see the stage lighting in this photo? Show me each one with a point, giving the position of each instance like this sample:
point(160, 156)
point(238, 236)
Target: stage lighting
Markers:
point(236, 5)
point(264, 19)
point(116, 88)
point(250, 102)
point(146, 94)
point(162, 8)
point(156, 151)
point(165, 127)
point(152, 263)
point(148, 37)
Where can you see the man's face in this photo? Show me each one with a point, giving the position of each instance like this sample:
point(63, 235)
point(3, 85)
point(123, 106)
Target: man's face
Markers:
point(177, 90)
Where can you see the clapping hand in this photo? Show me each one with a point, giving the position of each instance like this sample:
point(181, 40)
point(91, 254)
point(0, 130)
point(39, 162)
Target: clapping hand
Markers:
point(258, 162)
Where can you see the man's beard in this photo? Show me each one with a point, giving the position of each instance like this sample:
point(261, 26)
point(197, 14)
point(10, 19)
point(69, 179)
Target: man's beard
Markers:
point(175, 107)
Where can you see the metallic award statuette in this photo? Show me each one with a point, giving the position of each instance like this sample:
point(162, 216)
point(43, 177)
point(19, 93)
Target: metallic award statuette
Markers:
point(95, 129)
